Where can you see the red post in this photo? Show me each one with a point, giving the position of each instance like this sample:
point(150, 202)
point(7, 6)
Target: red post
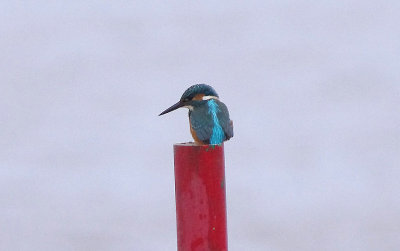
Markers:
point(200, 197)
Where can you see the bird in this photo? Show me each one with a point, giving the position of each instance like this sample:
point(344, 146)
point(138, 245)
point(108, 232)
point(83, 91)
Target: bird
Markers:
point(208, 116)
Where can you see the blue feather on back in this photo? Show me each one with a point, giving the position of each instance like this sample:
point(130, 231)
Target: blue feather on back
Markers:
point(217, 136)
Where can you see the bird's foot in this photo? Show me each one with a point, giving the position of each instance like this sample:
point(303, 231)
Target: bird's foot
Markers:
point(212, 146)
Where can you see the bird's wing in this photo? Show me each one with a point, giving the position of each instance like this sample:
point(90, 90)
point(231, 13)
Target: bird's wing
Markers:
point(202, 124)
point(224, 120)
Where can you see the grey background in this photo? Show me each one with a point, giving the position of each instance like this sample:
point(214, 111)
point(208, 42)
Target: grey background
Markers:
point(312, 87)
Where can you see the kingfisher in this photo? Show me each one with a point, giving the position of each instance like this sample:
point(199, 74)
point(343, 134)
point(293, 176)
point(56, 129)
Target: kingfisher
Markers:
point(208, 117)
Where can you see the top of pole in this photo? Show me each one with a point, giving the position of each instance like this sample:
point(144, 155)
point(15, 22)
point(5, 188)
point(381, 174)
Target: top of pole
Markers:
point(193, 144)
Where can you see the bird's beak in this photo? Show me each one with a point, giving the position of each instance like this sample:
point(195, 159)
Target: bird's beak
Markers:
point(172, 108)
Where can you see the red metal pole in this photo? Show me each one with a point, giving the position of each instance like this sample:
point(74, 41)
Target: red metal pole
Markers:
point(200, 197)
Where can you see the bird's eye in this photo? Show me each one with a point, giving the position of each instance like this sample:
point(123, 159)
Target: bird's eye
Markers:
point(185, 100)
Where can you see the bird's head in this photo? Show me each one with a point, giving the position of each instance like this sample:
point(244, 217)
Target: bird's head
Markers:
point(193, 96)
